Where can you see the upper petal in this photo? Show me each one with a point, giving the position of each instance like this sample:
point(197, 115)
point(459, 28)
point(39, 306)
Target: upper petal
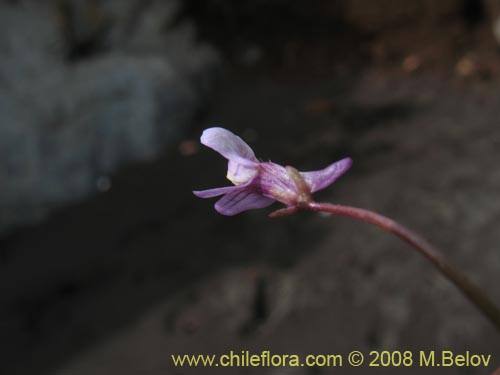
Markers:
point(240, 200)
point(227, 144)
point(323, 178)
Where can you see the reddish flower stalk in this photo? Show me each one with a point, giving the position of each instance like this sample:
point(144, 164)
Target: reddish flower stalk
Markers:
point(467, 287)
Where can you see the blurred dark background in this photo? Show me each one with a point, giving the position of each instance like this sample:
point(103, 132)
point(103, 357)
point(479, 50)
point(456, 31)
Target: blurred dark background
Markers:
point(109, 264)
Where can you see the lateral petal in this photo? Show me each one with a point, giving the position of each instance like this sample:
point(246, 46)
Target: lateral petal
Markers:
point(210, 193)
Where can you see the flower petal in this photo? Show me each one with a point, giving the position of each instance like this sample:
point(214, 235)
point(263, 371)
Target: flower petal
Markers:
point(210, 193)
point(323, 178)
point(227, 144)
point(276, 182)
point(240, 173)
point(240, 200)
point(243, 164)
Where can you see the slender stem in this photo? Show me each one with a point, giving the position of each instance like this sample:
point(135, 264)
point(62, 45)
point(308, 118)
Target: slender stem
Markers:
point(468, 288)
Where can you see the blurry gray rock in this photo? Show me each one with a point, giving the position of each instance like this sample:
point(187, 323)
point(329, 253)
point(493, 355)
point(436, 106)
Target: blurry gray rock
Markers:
point(66, 120)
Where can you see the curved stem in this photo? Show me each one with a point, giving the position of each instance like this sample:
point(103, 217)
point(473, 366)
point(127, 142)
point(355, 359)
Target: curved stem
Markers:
point(469, 289)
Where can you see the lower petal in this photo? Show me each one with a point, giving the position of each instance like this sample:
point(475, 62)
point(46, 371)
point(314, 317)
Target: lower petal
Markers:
point(241, 200)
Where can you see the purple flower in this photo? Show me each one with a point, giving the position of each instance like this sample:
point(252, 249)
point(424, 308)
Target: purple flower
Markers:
point(259, 184)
